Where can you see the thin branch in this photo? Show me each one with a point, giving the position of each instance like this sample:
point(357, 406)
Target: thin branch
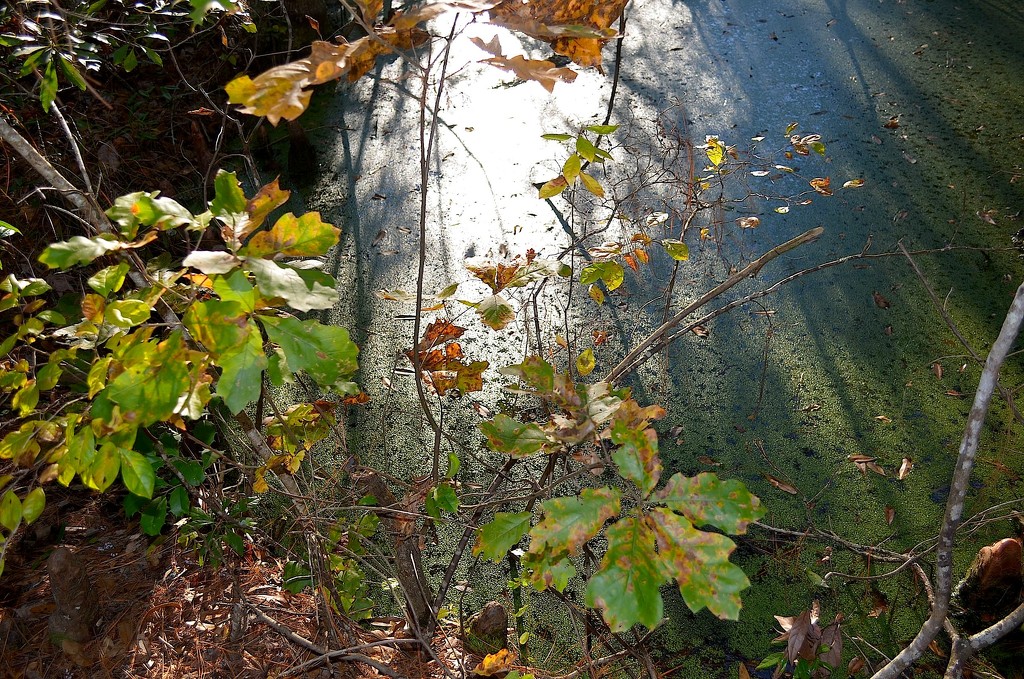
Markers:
point(628, 363)
point(941, 308)
point(958, 492)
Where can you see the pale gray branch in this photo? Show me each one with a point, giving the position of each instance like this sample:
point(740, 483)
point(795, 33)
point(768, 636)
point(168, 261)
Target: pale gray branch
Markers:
point(958, 492)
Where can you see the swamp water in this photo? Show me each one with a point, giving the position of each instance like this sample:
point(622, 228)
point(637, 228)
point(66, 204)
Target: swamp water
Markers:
point(839, 362)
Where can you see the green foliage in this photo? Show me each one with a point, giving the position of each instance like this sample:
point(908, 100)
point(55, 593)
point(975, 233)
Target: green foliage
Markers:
point(656, 539)
point(573, 168)
point(59, 43)
point(143, 381)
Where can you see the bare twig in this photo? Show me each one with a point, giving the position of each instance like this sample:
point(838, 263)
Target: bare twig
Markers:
point(631, 360)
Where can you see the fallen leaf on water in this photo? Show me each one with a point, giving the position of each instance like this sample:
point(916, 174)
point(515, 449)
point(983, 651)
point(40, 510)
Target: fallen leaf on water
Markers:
point(909, 158)
point(883, 418)
point(704, 459)
point(855, 665)
point(892, 123)
point(879, 604)
point(905, 468)
point(866, 462)
point(988, 216)
point(937, 369)
point(600, 337)
point(381, 235)
point(854, 184)
point(876, 139)
point(781, 485)
point(880, 301)
point(830, 23)
point(748, 222)
point(700, 331)
point(954, 393)
point(744, 674)
point(810, 408)
point(822, 185)
point(890, 514)
point(888, 330)
point(934, 648)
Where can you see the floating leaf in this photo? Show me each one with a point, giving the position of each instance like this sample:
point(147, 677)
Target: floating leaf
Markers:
point(905, 468)
point(782, 209)
point(495, 663)
point(890, 514)
point(822, 185)
point(854, 184)
point(880, 301)
point(780, 484)
point(748, 222)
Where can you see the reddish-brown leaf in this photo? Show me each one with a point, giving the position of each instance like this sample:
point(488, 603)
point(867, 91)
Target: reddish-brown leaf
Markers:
point(890, 514)
point(937, 369)
point(780, 484)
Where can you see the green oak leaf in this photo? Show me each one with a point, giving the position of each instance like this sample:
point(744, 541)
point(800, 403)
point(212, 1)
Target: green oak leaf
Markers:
point(441, 498)
point(706, 499)
point(302, 290)
point(554, 573)
point(222, 327)
point(509, 436)
point(569, 522)
point(155, 376)
point(292, 236)
point(625, 587)
point(110, 279)
point(611, 273)
point(495, 311)
point(78, 250)
point(241, 375)
point(236, 287)
point(325, 352)
point(137, 209)
point(502, 534)
point(699, 562)
point(637, 455)
point(534, 372)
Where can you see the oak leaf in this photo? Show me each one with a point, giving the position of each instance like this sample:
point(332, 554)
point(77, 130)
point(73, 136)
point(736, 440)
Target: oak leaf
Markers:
point(574, 28)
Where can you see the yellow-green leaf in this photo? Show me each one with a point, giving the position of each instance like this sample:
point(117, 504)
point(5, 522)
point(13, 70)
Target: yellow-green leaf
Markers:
point(553, 187)
point(501, 534)
point(509, 436)
point(33, 504)
point(592, 185)
point(585, 362)
point(626, 586)
point(676, 249)
point(571, 168)
point(569, 522)
point(715, 150)
point(10, 511)
point(291, 236)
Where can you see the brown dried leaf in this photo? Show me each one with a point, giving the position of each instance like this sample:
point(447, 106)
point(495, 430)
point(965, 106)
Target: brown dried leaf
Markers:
point(780, 484)
point(855, 665)
point(543, 72)
point(892, 123)
point(880, 301)
point(890, 514)
point(575, 28)
point(905, 468)
point(937, 369)
point(822, 185)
